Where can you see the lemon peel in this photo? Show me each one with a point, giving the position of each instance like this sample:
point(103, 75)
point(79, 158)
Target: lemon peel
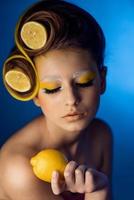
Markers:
point(47, 161)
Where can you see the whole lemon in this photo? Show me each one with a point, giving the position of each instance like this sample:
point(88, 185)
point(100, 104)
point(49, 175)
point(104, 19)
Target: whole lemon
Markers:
point(46, 161)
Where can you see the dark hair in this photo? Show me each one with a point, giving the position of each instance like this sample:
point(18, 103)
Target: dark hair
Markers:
point(67, 26)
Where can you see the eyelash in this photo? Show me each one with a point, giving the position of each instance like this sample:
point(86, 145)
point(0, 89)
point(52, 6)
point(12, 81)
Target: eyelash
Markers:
point(51, 91)
point(82, 85)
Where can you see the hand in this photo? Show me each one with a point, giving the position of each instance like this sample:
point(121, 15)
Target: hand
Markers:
point(78, 179)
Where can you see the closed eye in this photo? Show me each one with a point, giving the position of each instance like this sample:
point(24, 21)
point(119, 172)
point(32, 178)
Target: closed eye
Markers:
point(47, 91)
point(87, 84)
point(82, 85)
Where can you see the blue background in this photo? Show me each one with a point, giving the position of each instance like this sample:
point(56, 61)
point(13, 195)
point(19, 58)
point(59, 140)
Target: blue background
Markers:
point(116, 17)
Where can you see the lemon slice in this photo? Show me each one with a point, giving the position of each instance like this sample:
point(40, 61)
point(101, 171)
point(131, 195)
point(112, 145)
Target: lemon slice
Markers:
point(18, 80)
point(34, 35)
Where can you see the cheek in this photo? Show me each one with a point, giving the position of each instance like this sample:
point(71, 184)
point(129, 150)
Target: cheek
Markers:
point(47, 103)
point(92, 97)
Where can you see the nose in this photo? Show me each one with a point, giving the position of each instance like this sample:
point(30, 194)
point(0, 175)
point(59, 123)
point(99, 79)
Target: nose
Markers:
point(71, 97)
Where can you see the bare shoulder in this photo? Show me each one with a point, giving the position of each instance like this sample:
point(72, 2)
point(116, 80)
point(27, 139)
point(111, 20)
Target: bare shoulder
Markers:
point(102, 133)
point(17, 179)
point(28, 136)
point(101, 129)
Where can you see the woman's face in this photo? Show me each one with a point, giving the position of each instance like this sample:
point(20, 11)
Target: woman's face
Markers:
point(69, 85)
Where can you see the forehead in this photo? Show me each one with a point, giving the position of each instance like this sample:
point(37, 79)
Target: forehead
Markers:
point(63, 63)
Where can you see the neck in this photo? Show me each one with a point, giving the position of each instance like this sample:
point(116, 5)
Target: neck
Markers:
point(65, 141)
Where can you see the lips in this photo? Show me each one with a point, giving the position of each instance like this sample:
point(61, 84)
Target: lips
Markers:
point(72, 114)
point(72, 118)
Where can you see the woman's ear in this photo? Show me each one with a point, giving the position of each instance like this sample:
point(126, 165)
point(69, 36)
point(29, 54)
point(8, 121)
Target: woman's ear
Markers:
point(36, 101)
point(103, 73)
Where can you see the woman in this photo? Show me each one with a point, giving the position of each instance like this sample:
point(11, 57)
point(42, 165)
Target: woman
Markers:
point(58, 61)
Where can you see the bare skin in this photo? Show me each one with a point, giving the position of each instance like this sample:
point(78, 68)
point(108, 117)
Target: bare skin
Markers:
point(87, 141)
point(15, 155)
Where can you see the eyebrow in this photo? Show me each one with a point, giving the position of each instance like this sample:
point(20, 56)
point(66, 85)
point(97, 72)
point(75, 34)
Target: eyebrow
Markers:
point(51, 78)
point(75, 74)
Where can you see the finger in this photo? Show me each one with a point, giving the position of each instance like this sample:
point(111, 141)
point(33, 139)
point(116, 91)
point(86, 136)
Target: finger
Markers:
point(80, 178)
point(80, 175)
point(101, 180)
point(95, 180)
point(69, 174)
point(55, 183)
point(89, 181)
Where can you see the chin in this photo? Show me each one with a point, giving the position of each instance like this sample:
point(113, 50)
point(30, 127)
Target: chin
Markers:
point(75, 127)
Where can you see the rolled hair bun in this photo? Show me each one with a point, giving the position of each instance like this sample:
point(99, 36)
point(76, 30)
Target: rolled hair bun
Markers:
point(21, 64)
point(67, 25)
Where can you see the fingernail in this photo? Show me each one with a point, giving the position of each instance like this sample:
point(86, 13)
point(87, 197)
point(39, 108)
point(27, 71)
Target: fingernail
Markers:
point(67, 174)
point(55, 174)
point(72, 161)
point(77, 171)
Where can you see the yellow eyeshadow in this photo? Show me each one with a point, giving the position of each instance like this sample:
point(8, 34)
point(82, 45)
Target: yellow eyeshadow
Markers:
point(49, 85)
point(88, 76)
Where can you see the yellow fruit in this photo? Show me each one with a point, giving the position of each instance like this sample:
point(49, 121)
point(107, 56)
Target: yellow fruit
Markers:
point(46, 161)
point(34, 35)
point(18, 80)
